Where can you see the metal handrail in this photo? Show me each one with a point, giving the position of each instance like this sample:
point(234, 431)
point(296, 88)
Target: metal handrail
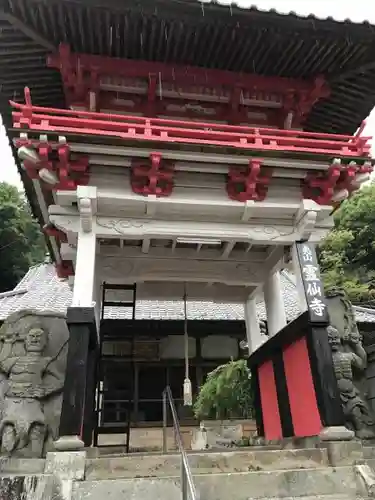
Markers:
point(187, 484)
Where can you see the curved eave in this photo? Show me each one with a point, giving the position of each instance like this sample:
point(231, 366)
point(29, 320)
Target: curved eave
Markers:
point(26, 181)
point(206, 34)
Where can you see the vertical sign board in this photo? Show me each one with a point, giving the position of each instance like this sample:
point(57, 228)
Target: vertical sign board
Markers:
point(312, 284)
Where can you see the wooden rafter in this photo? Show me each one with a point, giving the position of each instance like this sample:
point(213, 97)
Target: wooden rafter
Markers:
point(354, 71)
point(26, 30)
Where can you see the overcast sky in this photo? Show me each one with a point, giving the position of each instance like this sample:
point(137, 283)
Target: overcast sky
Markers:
point(358, 11)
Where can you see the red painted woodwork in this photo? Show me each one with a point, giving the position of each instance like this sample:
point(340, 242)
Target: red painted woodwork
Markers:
point(52, 231)
point(302, 397)
point(248, 184)
point(71, 64)
point(347, 178)
point(64, 269)
point(155, 130)
point(269, 403)
point(321, 187)
point(85, 73)
point(153, 179)
point(70, 173)
point(115, 102)
point(30, 169)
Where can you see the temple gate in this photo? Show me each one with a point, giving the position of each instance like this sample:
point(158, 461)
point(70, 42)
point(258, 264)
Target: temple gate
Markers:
point(164, 176)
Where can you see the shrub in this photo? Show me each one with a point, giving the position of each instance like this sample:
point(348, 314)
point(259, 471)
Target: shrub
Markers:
point(226, 394)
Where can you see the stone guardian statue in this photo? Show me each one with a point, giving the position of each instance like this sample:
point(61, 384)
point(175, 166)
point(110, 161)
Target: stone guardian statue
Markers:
point(355, 409)
point(31, 382)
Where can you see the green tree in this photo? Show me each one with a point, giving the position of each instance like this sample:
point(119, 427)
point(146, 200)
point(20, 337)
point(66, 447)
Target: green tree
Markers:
point(21, 242)
point(347, 255)
point(226, 393)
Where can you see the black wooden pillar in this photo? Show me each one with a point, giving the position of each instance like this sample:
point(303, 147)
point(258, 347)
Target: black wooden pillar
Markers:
point(76, 419)
point(89, 414)
point(324, 378)
point(319, 349)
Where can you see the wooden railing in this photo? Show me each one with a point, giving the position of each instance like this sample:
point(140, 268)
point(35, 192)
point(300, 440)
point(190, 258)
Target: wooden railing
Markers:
point(157, 130)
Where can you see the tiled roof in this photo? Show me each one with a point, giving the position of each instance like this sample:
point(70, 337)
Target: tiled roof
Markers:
point(217, 34)
point(323, 11)
point(42, 290)
point(234, 36)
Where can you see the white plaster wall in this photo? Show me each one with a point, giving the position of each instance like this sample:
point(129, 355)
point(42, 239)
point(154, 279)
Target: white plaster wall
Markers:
point(172, 347)
point(219, 347)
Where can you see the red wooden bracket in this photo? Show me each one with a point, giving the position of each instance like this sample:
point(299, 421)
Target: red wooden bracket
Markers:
point(248, 184)
point(68, 169)
point(320, 187)
point(30, 169)
point(70, 173)
point(64, 269)
point(52, 231)
point(155, 179)
point(347, 178)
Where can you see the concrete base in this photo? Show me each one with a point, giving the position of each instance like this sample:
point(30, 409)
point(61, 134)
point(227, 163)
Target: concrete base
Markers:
point(300, 443)
point(238, 486)
point(344, 452)
point(33, 487)
point(66, 467)
point(69, 443)
point(204, 463)
point(335, 471)
point(216, 434)
point(24, 466)
point(366, 479)
point(67, 464)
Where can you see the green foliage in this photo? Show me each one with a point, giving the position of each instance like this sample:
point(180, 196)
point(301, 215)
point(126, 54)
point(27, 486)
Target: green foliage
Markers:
point(21, 242)
point(347, 255)
point(226, 393)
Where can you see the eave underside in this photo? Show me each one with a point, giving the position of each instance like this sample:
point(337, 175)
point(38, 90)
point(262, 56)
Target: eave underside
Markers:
point(192, 33)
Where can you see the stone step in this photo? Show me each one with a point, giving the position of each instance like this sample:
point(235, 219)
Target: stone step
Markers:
point(369, 452)
point(116, 451)
point(371, 463)
point(281, 484)
point(136, 466)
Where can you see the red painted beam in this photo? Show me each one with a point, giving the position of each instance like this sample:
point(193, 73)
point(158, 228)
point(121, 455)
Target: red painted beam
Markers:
point(112, 101)
point(28, 110)
point(70, 63)
point(81, 73)
point(173, 131)
point(157, 178)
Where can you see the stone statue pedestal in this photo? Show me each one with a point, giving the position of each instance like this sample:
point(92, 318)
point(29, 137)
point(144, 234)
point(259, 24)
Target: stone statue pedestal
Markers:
point(336, 433)
point(69, 443)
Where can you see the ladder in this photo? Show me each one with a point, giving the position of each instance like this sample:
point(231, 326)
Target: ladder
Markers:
point(114, 406)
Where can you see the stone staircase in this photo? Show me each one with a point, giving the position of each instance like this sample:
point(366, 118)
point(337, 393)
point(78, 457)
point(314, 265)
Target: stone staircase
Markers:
point(369, 456)
point(239, 475)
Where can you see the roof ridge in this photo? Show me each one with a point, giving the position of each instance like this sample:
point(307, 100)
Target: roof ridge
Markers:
point(364, 309)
